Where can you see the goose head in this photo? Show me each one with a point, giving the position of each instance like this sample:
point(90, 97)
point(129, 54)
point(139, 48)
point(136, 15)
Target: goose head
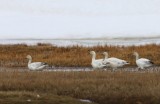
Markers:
point(29, 57)
point(92, 53)
point(135, 53)
point(105, 54)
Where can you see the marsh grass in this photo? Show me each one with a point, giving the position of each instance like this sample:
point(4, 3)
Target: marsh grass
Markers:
point(23, 97)
point(102, 87)
point(14, 55)
point(99, 86)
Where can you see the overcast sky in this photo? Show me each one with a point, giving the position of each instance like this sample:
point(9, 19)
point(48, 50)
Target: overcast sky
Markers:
point(79, 18)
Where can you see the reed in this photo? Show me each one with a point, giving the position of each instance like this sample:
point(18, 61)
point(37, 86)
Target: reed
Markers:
point(98, 86)
point(14, 55)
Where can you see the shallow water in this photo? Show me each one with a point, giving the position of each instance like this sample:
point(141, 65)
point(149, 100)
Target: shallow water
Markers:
point(155, 68)
point(84, 42)
point(85, 100)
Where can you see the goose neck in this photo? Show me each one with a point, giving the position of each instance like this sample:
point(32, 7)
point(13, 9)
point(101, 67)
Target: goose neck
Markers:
point(106, 56)
point(93, 57)
point(30, 60)
point(137, 56)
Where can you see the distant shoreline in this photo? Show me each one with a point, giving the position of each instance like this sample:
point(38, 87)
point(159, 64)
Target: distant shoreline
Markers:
point(105, 38)
point(86, 42)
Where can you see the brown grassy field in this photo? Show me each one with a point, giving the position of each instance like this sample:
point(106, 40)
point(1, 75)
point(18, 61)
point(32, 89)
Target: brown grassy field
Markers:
point(14, 55)
point(24, 97)
point(16, 87)
point(101, 87)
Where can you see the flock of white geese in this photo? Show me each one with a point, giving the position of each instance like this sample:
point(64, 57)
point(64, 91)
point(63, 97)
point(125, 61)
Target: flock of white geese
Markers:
point(115, 63)
point(112, 62)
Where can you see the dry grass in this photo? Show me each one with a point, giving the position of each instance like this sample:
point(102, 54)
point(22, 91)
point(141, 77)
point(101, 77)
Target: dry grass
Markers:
point(98, 86)
point(23, 97)
point(14, 55)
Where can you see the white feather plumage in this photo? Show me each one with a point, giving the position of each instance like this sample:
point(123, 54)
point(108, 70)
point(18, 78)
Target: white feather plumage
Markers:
point(96, 63)
point(35, 65)
point(142, 62)
point(114, 63)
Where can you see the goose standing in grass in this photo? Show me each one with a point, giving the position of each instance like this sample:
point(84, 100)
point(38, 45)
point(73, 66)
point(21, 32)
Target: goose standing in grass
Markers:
point(142, 62)
point(35, 65)
point(114, 63)
point(96, 63)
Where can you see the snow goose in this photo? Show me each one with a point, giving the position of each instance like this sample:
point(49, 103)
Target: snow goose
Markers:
point(114, 63)
point(142, 62)
point(35, 65)
point(96, 63)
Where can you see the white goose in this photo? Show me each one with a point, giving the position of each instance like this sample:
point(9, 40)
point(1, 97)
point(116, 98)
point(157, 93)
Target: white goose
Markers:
point(114, 63)
point(142, 62)
point(35, 65)
point(96, 63)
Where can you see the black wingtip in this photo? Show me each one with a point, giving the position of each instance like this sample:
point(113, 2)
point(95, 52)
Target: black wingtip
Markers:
point(151, 62)
point(128, 63)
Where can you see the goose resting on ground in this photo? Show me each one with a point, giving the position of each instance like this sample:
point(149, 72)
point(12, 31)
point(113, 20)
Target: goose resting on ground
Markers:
point(114, 63)
point(142, 62)
point(35, 65)
point(96, 63)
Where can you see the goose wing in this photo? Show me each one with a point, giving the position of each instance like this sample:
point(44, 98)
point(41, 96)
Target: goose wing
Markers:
point(113, 59)
point(117, 60)
point(145, 61)
point(37, 64)
point(98, 63)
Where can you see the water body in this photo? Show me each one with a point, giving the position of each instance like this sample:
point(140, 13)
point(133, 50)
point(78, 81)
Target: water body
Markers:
point(84, 42)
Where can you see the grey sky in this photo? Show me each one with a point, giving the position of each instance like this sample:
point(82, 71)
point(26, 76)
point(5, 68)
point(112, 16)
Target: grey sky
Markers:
point(79, 18)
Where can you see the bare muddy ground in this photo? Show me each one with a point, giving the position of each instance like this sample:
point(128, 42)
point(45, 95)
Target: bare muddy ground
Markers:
point(126, 69)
